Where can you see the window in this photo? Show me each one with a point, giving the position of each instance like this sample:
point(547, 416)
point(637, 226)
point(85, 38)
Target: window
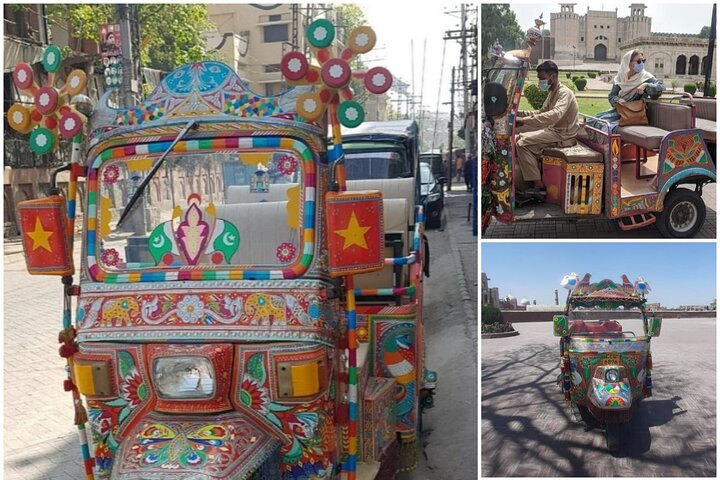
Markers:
point(275, 33)
point(274, 18)
point(594, 26)
point(619, 40)
point(275, 67)
point(582, 39)
point(601, 27)
point(272, 89)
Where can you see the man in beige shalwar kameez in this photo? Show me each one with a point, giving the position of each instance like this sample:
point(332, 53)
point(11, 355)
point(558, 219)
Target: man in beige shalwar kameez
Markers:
point(556, 123)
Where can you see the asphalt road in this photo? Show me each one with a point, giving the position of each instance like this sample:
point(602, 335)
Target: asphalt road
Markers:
point(527, 429)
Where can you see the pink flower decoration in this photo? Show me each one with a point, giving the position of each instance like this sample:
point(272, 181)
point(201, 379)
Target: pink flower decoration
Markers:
point(285, 252)
point(111, 174)
point(287, 165)
point(110, 257)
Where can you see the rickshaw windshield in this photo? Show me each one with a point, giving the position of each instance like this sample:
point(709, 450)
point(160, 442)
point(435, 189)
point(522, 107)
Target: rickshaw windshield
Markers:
point(505, 72)
point(204, 210)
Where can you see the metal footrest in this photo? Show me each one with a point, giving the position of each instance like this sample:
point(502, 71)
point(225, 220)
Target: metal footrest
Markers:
point(636, 221)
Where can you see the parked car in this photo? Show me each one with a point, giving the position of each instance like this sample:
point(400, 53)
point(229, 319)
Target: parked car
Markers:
point(437, 163)
point(432, 196)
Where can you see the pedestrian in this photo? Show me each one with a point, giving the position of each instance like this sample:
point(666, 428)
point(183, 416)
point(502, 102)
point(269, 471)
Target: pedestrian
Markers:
point(459, 166)
point(469, 166)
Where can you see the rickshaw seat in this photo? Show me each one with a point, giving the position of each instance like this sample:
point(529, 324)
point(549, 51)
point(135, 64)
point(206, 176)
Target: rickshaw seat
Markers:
point(277, 192)
point(663, 118)
point(578, 153)
point(609, 328)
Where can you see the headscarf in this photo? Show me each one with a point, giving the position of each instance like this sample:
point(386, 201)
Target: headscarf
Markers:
point(628, 85)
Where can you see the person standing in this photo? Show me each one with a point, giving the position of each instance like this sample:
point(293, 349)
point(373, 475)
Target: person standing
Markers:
point(459, 166)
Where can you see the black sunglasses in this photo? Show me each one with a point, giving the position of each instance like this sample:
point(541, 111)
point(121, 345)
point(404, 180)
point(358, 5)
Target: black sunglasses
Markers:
point(640, 60)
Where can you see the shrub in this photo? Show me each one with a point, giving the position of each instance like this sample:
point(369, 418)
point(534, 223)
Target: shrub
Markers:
point(567, 75)
point(674, 84)
point(711, 90)
point(534, 95)
point(575, 77)
point(592, 74)
point(580, 84)
point(691, 88)
point(490, 315)
point(570, 85)
point(501, 327)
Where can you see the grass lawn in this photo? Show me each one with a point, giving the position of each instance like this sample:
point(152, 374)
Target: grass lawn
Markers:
point(588, 106)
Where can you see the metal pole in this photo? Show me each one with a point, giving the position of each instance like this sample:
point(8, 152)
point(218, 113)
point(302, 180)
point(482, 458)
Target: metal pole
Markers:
point(468, 132)
point(127, 54)
point(451, 131)
point(711, 52)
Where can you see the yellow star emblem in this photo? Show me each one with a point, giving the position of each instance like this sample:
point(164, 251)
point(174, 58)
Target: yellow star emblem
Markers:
point(40, 237)
point(354, 234)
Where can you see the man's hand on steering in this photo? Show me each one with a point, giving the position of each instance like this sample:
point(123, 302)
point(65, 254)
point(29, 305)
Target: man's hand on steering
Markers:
point(519, 122)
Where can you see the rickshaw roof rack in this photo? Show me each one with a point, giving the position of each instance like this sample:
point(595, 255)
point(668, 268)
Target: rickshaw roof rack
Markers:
point(395, 128)
point(203, 89)
point(606, 290)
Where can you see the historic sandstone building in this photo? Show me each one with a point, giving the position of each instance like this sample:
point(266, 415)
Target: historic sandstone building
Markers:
point(602, 36)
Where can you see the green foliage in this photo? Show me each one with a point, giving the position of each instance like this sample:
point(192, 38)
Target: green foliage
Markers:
point(704, 32)
point(570, 85)
point(575, 77)
point(499, 23)
point(592, 74)
point(534, 95)
point(567, 75)
point(691, 88)
point(491, 315)
point(170, 33)
point(711, 90)
point(580, 84)
point(496, 328)
point(674, 84)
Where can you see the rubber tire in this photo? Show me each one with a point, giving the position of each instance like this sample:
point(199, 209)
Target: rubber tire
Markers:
point(612, 436)
point(671, 201)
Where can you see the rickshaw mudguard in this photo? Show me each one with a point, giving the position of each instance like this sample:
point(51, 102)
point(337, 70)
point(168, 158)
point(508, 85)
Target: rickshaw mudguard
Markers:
point(225, 446)
point(610, 396)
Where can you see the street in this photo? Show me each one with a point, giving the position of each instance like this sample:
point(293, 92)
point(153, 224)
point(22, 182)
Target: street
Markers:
point(40, 441)
point(527, 431)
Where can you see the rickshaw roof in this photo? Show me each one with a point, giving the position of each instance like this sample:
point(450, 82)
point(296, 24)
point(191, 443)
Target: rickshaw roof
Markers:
point(605, 293)
point(203, 90)
point(389, 129)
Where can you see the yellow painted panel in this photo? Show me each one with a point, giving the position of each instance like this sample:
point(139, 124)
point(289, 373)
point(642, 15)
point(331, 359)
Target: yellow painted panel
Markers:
point(83, 376)
point(305, 379)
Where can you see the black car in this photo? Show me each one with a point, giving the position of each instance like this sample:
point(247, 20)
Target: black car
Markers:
point(432, 196)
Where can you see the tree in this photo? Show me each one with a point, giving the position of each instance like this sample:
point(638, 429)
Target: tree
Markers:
point(704, 32)
point(348, 17)
point(170, 34)
point(499, 23)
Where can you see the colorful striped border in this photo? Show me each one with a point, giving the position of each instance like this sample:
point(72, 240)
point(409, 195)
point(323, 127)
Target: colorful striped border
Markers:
point(192, 273)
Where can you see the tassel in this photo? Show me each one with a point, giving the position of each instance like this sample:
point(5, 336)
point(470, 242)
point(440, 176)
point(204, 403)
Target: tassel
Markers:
point(68, 385)
point(81, 416)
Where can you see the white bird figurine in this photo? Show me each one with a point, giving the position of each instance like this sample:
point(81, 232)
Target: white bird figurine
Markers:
point(570, 281)
point(642, 287)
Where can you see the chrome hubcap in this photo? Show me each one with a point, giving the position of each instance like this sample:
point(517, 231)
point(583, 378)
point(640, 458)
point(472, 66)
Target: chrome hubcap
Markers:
point(683, 216)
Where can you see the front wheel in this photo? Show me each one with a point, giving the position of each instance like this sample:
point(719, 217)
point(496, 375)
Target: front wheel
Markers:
point(683, 214)
point(612, 436)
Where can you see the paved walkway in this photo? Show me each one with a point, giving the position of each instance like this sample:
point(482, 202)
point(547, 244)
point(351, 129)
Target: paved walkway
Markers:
point(597, 227)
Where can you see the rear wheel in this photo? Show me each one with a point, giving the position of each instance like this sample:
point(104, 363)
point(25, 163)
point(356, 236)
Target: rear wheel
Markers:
point(683, 214)
point(612, 436)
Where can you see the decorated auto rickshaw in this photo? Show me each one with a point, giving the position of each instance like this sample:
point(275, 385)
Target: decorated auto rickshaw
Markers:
point(605, 368)
point(218, 332)
point(639, 174)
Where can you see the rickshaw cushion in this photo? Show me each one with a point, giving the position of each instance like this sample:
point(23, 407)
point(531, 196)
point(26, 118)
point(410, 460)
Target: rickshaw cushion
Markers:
point(644, 136)
point(669, 116)
point(609, 328)
point(390, 188)
point(708, 128)
point(704, 107)
point(578, 153)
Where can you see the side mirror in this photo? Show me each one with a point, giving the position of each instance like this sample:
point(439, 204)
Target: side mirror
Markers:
point(442, 180)
point(560, 325)
point(654, 326)
point(46, 240)
point(495, 100)
point(355, 232)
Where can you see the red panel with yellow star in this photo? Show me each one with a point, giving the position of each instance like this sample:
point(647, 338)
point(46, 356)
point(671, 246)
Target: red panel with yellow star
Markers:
point(45, 242)
point(355, 232)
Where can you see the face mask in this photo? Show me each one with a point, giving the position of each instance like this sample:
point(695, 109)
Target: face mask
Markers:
point(639, 67)
point(544, 85)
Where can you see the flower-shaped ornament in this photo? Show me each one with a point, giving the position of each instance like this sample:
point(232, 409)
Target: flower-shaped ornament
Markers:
point(51, 111)
point(334, 74)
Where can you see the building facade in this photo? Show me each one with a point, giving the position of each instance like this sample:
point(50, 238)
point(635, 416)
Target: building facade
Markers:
point(603, 36)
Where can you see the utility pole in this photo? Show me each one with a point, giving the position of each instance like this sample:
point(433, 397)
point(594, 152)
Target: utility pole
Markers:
point(42, 25)
point(451, 131)
point(466, 106)
point(128, 67)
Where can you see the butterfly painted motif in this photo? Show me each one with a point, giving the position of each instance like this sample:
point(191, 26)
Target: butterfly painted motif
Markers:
point(164, 445)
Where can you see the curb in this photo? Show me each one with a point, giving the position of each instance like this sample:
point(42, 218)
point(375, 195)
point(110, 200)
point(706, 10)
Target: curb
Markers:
point(514, 333)
point(462, 287)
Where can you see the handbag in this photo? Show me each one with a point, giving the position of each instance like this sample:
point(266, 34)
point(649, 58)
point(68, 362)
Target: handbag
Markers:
point(632, 113)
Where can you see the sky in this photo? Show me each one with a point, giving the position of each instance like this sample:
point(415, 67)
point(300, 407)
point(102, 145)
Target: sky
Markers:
point(396, 25)
point(678, 273)
point(669, 17)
